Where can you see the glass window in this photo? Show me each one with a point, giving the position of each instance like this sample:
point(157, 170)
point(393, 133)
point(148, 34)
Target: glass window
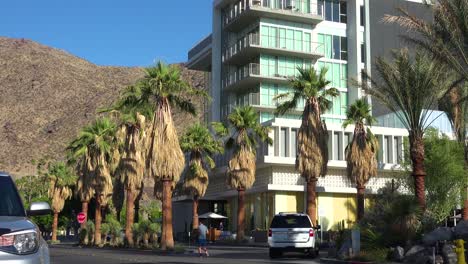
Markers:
point(336, 82)
point(363, 53)
point(290, 221)
point(321, 41)
point(10, 204)
point(343, 18)
point(293, 143)
point(344, 48)
point(362, 16)
point(290, 39)
point(328, 11)
point(283, 142)
point(336, 11)
point(307, 42)
point(336, 146)
point(272, 38)
point(328, 46)
point(298, 40)
point(264, 32)
point(336, 47)
point(282, 38)
point(344, 76)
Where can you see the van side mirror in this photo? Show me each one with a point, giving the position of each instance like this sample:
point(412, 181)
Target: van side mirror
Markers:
point(39, 208)
point(317, 227)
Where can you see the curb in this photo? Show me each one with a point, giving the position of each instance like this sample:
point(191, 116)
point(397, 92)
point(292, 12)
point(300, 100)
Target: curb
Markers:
point(337, 261)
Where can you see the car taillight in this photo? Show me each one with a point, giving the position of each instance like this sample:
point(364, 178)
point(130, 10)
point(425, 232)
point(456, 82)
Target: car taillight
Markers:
point(270, 233)
point(311, 233)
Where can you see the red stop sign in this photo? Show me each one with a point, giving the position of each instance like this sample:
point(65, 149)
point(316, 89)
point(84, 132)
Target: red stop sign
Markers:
point(81, 217)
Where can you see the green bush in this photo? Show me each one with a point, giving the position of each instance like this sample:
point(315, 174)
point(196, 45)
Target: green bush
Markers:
point(105, 229)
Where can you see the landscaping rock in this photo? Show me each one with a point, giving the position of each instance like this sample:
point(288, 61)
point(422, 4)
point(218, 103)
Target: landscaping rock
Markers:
point(398, 254)
point(461, 230)
point(449, 255)
point(415, 253)
point(439, 234)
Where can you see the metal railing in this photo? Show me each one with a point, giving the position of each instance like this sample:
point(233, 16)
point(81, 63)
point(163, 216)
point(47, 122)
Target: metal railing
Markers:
point(242, 43)
point(241, 73)
point(305, 7)
point(253, 39)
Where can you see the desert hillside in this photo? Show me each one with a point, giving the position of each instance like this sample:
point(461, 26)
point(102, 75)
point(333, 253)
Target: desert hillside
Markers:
point(47, 95)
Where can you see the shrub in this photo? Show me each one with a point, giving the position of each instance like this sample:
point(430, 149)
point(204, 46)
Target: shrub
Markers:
point(115, 231)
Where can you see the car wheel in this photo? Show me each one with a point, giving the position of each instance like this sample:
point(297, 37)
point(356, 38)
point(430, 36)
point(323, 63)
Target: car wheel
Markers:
point(312, 253)
point(275, 253)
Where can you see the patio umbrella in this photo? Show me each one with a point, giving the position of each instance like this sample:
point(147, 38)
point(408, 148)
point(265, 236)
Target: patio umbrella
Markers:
point(211, 215)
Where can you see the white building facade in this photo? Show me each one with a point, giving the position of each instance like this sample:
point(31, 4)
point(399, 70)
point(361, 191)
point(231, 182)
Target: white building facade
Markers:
point(255, 46)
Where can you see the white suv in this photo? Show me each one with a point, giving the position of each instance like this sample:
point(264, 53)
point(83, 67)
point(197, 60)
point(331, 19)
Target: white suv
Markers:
point(292, 232)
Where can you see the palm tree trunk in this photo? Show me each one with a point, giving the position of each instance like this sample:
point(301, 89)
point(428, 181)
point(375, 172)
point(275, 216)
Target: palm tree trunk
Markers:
point(311, 200)
point(167, 241)
point(55, 226)
point(465, 209)
point(419, 171)
point(195, 212)
point(360, 202)
point(84, 209)
point(98, 220)
point(130, 217)
point(240, 214)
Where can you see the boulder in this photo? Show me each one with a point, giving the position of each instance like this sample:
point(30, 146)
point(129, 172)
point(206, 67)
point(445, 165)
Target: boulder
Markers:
point(415, 254)
point(398, 254)
point(449, 255)
point(461, 230)
point(439, 234)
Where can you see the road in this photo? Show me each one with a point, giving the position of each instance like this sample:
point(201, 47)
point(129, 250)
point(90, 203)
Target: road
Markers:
point(220, 254)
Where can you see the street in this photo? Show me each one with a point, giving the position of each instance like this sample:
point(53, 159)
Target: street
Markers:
point(64, 254)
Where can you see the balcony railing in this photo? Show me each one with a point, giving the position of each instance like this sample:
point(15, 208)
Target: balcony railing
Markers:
point(242, 73)
point(304, 7)
point(253, 40)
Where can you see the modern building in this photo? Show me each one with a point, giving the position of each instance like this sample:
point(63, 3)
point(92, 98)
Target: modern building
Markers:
point(255, 46)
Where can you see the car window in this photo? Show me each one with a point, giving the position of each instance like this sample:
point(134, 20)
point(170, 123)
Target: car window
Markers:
point(290, 221)
point(10, 202)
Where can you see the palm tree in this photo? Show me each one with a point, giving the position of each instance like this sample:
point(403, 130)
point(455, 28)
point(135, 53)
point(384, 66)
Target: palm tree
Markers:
point(61, 181)
point(199, 143)
point(312, 158)
point(410, 88)
point(445, 38)
point(163, 87)
point(130, 170)
point(95, 145)
point(361, 152)
point(243, 132)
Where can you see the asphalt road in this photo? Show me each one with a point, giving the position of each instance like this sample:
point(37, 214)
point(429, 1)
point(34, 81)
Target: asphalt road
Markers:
point(64, 254)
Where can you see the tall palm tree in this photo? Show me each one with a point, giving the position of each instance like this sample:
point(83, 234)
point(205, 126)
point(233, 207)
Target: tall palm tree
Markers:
point(410, 88)
point(163, 87)
point(131, 117)
point(95, 145)
point(242, 131)
point(312, 158)
point(445, 38)
point(61, 181)
point(200, 144)
point(361, 152)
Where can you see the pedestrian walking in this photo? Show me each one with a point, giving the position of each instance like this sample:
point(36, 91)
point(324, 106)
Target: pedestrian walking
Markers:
point(202, 231)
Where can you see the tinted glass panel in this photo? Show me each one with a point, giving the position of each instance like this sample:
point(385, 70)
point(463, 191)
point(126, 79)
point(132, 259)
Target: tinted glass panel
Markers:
point(343, 18)
point(328, 11)
point(336, 11)
point(10, 203)
point(291, 221)
point(336, 47)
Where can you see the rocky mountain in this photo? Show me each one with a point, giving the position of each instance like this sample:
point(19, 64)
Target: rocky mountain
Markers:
point(47, 95)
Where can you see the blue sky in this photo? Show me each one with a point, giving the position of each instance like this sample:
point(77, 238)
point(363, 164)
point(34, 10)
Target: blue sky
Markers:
point(111, 32)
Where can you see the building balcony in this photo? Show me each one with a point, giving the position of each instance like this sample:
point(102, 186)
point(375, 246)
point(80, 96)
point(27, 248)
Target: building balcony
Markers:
point(199, 57)
point(251, 46)
point(250, 76)
point(245, 12)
